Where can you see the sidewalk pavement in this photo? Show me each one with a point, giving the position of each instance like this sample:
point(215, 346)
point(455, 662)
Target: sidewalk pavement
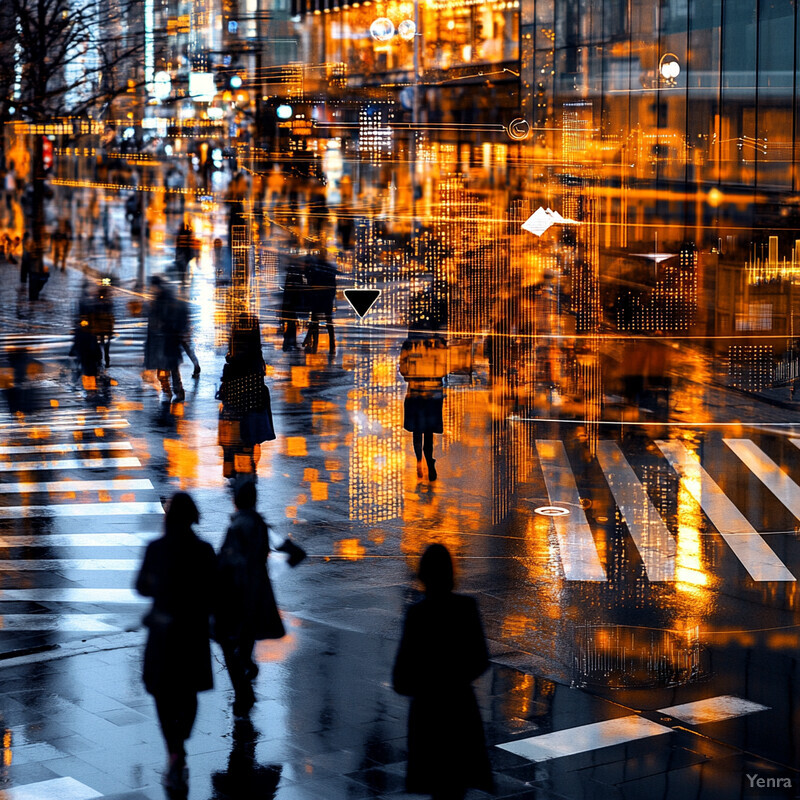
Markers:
point(327, 725)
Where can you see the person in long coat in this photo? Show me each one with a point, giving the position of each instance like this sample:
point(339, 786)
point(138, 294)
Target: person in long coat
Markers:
point(178, 572)
point(423, 365)
point(441, 652)
point(245, 414)
point(167, 325)
point(246, 611)
point(321, 294)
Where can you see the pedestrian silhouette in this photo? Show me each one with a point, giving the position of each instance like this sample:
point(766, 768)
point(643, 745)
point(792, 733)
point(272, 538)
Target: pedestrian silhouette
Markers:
point(86, 352)
point(423, 365)
point(186, 249)
point(246, 611)
point(178, 572)
point(101, 318)
point(245, 778)
point(245, 413)
point(320, 293)
point(441, 652)
point(167, 327)
point(292, 304)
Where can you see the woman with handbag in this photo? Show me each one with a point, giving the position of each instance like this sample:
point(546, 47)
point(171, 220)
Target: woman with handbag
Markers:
point(179, 573)
point(245, 415)
point(246, 611)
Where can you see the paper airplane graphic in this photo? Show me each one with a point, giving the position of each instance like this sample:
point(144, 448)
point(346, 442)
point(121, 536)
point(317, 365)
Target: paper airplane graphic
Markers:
point(542, 219)
point(361, 300)
point(538, 222)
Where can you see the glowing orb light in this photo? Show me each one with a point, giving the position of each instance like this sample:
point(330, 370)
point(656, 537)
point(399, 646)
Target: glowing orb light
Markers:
point(407, 29)
point(382, 29)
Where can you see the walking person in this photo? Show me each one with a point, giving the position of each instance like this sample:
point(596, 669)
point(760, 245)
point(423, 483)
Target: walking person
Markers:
point(185, 250)
point(179, 573)
point(246, 611)
point(321, 294)
point(423, 365)
point(442, 651)
point(245, 414)
point(62, 242)
point(101, 318)
point(167, 321)
point(86, 352)
point(294, 287)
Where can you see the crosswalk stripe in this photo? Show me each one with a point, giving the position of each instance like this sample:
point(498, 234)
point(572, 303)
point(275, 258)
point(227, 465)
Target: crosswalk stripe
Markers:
point(749, 547)
point(69, 463)
point(610, 732)
point(80, 510)
point(768, 472)
point(49, 540)
point(61, 413)
point(88, 623)
point(76, 447)
point(572, 741)
point(77, 594)
point(80, 564)
point(113, 485)
point(713, 709)
point(55, 789)
point(9, 428)
point(576, 543)
point(653, 540)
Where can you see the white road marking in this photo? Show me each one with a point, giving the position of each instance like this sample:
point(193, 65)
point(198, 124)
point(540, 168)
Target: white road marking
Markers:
point(655, 543)
point(80, 510)
point(93, 623)
point(754, 553)
point(713, 709)
point(77, 594)
point(78, 540)
point(69, 463)
point(64, 564)
point(113, 485)
point(576, 543)
point(74, 447)
point(607, 733)
point(768, 472)
point(571, 741)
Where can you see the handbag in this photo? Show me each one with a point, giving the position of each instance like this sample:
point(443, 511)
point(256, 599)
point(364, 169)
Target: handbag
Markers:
point(294, 551)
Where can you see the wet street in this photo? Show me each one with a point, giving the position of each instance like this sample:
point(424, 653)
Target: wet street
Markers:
point(636, 573)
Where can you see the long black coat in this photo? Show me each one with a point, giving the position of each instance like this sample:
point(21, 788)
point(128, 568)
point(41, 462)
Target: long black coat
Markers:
point(246, 607)
point(179, 573)
point(167, 325)
point(441, 652)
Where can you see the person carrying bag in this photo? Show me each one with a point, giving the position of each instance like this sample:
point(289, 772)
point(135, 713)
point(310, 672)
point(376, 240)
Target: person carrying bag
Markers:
point(245, 415)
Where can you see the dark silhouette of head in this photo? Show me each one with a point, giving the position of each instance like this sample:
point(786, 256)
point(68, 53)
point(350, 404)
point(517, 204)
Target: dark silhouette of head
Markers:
point(181, 514)
point(245, 497)
point(436, 570)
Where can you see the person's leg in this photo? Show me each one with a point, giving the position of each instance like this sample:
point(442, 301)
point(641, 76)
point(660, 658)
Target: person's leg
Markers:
point(178, 394)
point(416, 438)
point(329, 327)
point(427, 449)
point(163, 379)
point(237, 661)
point(311, 342)
point(176, 715)
point(187, 346)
